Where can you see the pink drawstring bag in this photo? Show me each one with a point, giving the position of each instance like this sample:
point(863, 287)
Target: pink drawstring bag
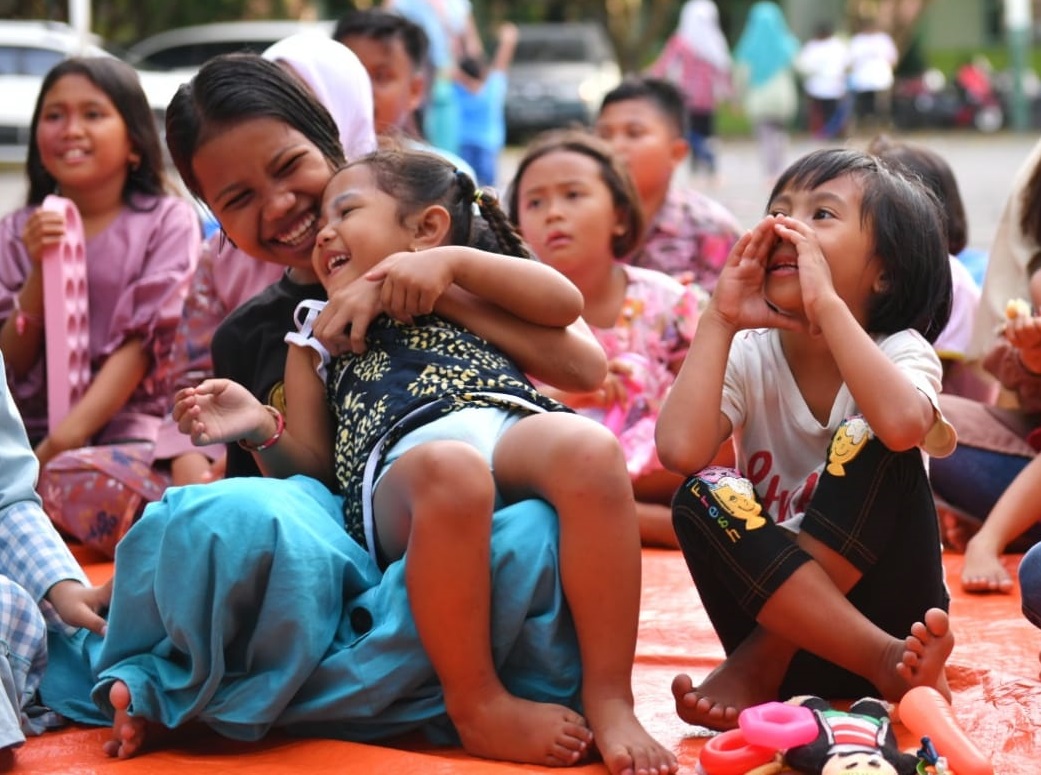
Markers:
point(94, 494)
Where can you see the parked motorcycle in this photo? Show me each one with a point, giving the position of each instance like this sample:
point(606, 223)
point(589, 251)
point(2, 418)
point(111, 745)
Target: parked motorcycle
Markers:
point(929, 101)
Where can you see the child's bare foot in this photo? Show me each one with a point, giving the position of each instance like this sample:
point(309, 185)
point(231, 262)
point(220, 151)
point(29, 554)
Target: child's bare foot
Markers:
point(128, 733)
point(623, 743)
point(509, 728)
point(983, 571)
point(747, 677)
point(926, 651)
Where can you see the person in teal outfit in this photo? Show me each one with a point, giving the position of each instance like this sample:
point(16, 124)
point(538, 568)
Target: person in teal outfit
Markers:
point(430, 427)
point(309, 634)
point(764, 59)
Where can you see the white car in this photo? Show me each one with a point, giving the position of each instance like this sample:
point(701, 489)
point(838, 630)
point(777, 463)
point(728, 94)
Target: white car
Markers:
point(186, 48)
point(28, 50)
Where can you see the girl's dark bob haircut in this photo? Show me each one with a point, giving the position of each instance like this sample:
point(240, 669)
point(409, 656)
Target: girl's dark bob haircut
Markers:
point(908, 231)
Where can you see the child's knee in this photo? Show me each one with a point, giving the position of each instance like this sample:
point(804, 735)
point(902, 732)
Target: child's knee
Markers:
point(854, 445)
point(720, 497)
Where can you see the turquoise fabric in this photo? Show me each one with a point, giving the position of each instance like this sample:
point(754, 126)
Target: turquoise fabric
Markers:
point(766, 46)
point(243, 604)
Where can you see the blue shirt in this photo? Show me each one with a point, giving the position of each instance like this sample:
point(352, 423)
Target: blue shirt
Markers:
point(482, 117)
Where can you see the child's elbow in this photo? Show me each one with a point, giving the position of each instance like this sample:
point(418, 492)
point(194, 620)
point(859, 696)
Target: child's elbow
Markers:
point(677, 454)
point(903, 433)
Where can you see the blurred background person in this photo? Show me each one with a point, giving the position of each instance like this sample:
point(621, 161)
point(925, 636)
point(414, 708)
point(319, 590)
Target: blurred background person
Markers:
point(764, 60)
point(696, 58)
point(480, 93)
point(872, 57)
point(823, 63)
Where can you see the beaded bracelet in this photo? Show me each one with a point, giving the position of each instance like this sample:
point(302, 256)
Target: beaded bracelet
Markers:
point(280, 426)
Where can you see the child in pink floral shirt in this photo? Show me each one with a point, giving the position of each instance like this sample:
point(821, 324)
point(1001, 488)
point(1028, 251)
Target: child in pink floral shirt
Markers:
point(576, 206)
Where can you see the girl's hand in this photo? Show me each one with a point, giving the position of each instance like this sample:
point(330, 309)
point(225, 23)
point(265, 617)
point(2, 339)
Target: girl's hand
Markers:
point(341, 326)
point(219, 410)
point(740, 298)
point(412, 282)
point(44, 229)
point(814, 272)
point(78, 605)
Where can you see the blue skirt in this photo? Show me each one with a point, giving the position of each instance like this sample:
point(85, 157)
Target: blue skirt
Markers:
point(243, 604)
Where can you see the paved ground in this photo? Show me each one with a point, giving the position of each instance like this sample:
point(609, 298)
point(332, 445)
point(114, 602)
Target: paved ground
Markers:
point(983, 164)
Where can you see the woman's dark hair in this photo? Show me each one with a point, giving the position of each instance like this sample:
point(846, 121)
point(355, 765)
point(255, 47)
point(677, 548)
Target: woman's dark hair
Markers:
point(907, 226)
point(612, 172)
point(934, 171)
point(120, 84)
point(418, 179)
point(1030, 220)
point(233, 88)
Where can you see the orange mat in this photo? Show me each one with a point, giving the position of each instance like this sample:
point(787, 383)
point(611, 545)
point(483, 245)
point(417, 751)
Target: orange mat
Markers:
point(993, 674)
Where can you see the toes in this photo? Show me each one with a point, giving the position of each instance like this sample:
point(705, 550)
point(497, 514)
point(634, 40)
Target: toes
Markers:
point(682, 685)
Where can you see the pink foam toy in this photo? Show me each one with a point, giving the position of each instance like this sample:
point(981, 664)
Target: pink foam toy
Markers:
point(66, 315)
point(729, 753)
point(778, 725)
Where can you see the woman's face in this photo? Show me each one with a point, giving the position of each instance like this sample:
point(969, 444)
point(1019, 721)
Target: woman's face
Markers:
point(263, 180)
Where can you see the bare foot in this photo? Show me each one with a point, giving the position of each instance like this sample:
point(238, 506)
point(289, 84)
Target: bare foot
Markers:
point(926, 651)
point(751, 675)
point(508, 728)
point(623, 743)
point(695, 706)
point(956, 527)
point(128, 733)
point(983, 571)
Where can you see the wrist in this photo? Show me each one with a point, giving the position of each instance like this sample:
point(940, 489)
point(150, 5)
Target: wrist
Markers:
point(714, 318)
point(271, 432)
point(25, 319)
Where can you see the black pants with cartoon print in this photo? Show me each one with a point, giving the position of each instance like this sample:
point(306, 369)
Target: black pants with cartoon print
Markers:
point(875, 510)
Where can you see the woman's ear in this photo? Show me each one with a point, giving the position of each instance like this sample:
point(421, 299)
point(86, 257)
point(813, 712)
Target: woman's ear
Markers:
point(430, 227)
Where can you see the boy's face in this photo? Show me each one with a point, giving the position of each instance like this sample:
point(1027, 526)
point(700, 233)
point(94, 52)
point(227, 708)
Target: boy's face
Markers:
point(647, 142)
point(397, 88)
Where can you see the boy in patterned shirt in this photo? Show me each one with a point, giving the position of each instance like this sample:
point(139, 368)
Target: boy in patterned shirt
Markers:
point(41, 583)
point(688, 234)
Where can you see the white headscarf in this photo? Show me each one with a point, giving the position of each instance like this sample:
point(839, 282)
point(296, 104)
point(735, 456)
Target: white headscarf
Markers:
point(699, 28)
point(339, 81)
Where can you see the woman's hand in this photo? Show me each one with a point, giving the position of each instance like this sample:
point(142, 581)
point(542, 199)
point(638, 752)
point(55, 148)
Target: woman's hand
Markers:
point(341, 326)
point(78, 605)
point(1024, 333)
point(413, 282)
point(219, 410)
point(43, 229)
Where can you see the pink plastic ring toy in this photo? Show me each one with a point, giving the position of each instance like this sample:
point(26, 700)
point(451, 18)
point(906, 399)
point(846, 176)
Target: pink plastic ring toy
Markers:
point(778, 725)
point(730, 754)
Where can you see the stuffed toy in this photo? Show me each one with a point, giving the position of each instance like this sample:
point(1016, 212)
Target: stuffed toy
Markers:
point(859, 741)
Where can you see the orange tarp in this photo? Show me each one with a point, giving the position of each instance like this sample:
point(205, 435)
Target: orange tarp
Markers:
point(993, 674)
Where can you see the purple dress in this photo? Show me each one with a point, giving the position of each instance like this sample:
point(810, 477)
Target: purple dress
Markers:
point(138, 269)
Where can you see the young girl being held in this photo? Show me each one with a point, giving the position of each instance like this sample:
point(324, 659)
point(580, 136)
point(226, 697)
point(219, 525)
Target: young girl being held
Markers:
point(94, 141)
point(433, 428)
point(576, 205)
point(818, 560)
